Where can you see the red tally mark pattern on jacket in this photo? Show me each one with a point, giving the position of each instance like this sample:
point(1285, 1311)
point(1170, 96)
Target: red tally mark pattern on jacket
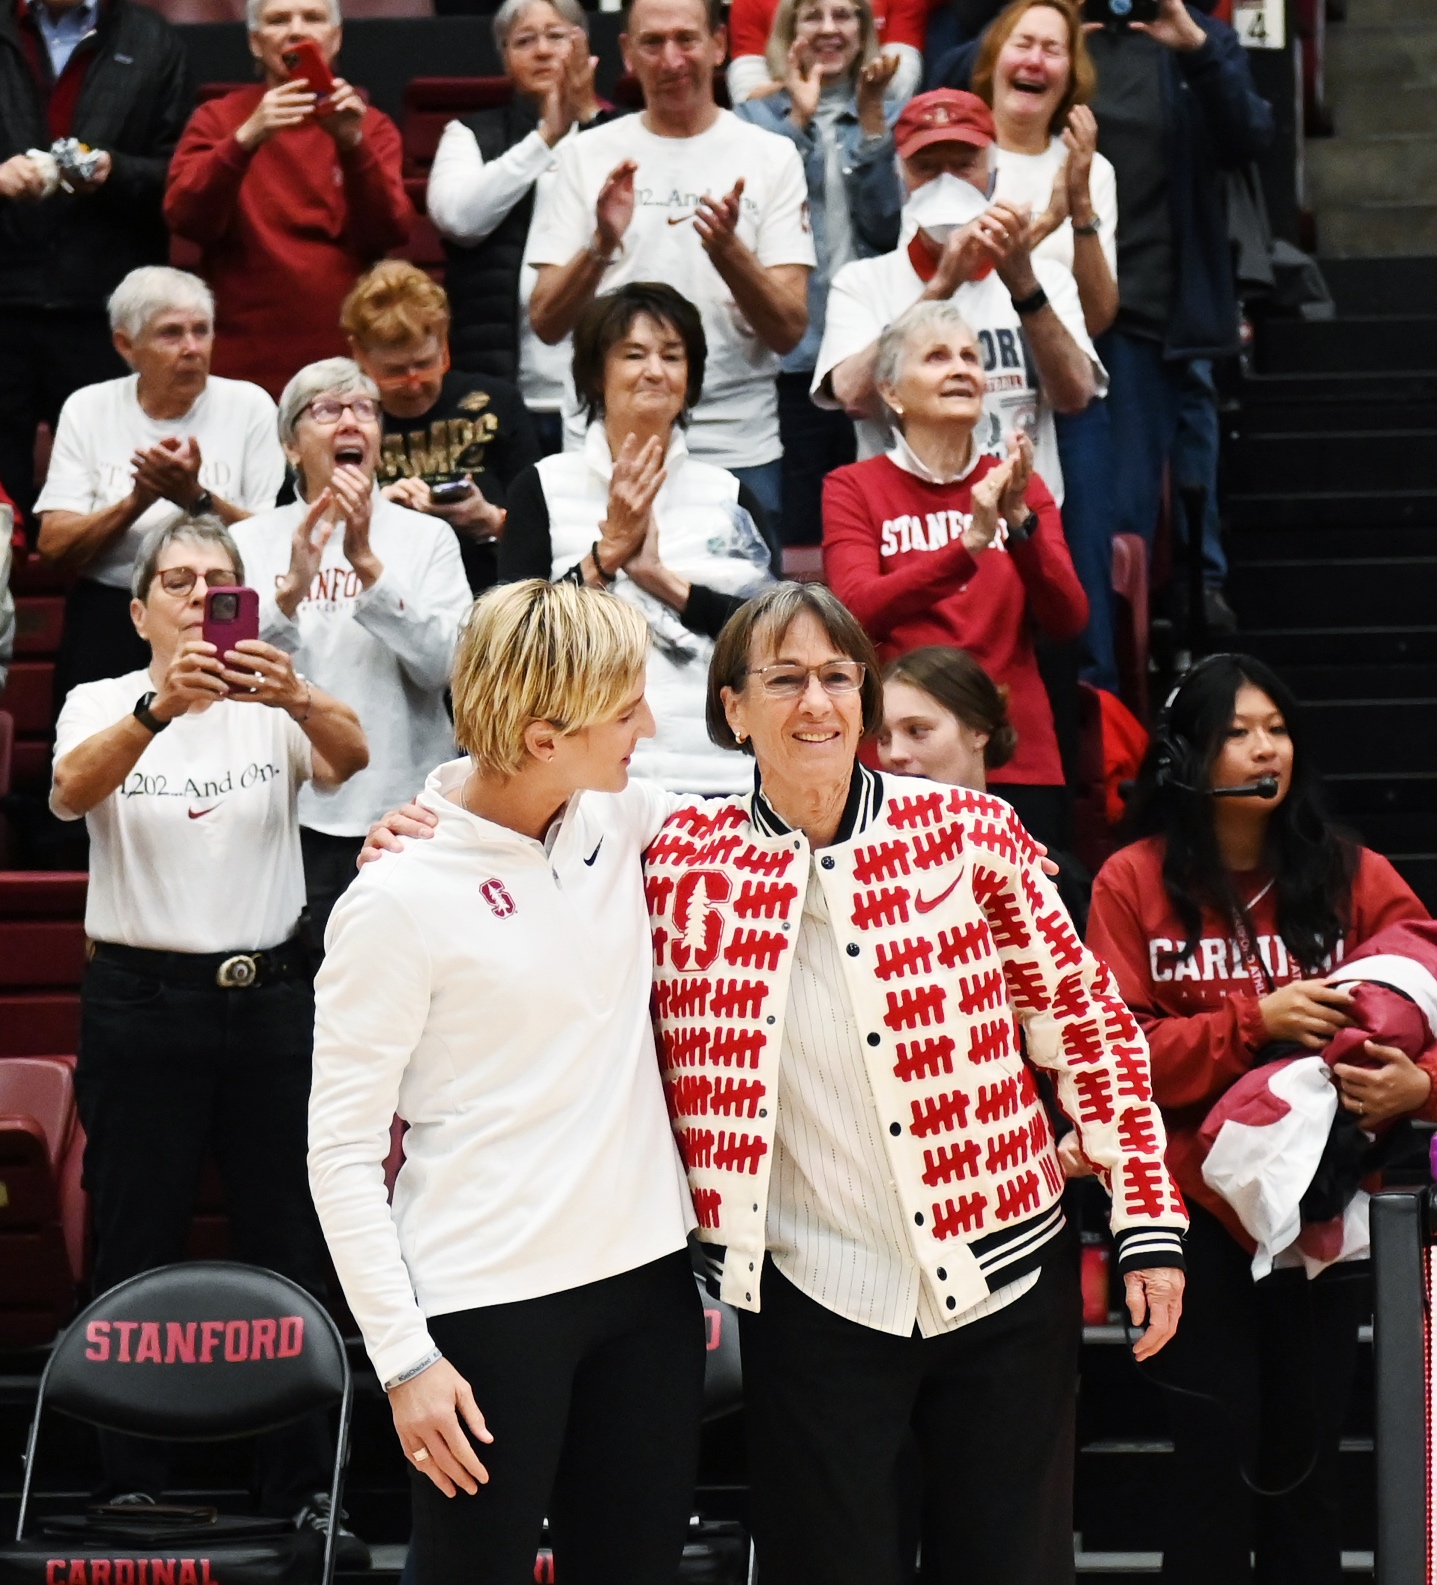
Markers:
point(956, 932)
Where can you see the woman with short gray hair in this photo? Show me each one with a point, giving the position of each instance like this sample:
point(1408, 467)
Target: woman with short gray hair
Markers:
point(490, 169)
point(938, 542)
point(197, 1011)
point(167, 442)
point(367, 596)
point(292, 196)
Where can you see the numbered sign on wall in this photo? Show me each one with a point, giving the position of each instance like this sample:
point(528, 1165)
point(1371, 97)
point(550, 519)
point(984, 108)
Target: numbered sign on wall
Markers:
point(1260, 24)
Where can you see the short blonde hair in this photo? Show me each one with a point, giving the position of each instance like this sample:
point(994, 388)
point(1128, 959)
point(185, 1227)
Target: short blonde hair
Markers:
point(537, 651)
point(395, 303)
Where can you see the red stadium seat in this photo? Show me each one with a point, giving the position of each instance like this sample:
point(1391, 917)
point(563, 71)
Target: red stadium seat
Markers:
point(37, 1023)
point(424, 247)
point(367, 9)
point(39, 619)
point(29, 696)
point(39, 1136)
point(43, 894)
point(7, 749)
point(34, 952)
point(31, 575)
point(803, 563)
point(431, 103)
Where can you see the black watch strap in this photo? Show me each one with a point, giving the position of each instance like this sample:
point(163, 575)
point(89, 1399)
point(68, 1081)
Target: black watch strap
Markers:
point(202, 503)
point(1031, 303)
point(1019, 532)
point(145, 717)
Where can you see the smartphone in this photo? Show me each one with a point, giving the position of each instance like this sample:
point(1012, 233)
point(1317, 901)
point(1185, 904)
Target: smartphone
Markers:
point(1119, 13)
point(304, 60)
point(231, 614)
point(451, 493)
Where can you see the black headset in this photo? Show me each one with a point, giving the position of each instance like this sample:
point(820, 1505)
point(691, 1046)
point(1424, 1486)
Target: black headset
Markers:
point(1179, 763)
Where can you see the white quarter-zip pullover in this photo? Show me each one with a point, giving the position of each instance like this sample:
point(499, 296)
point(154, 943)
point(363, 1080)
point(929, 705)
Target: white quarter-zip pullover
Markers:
point(492, 990)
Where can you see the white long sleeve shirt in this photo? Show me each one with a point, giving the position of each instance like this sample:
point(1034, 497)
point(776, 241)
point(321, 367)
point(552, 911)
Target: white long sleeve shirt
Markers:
point(385, 650)
point(468, 198)
point(494, 991)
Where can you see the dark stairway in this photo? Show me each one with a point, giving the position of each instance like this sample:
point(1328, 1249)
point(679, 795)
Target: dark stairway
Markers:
point(1331, 509)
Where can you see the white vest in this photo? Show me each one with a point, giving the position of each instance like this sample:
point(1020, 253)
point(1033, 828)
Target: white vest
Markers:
point(705, 537)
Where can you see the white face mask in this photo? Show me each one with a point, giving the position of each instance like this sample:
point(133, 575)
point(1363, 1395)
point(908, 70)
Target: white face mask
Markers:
point(943, 205)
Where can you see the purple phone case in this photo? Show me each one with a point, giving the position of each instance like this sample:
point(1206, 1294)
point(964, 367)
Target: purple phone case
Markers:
point(225, 635)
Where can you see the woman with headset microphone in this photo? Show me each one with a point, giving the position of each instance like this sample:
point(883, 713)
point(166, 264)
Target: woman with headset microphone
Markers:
point(1220, 922)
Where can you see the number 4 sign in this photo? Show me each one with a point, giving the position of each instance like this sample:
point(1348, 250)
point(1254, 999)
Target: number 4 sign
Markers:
point(1260, 24)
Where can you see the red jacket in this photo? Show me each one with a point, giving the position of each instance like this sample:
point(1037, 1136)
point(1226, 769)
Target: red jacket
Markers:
point(1201, 1017)
point(286, 231)
point(897, 22)
point(911, 584)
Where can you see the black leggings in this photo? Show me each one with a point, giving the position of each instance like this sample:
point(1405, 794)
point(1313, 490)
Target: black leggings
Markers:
point(1278, 1357)
point(594, 1398)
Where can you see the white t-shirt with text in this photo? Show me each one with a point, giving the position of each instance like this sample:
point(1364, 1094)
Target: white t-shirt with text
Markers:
point(736, 421)
point(869, 294)
point(101, 428)
point(197, 850)
point(1028, 179)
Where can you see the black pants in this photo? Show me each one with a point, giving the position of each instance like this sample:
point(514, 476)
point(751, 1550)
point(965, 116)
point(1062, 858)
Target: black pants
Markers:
point(45, 354)
point(816, 440)
point(329, 867)
point(168, 1075)
point(1278, 1357)
point(830, 1406)
point(594, 1398)
point(99, 638)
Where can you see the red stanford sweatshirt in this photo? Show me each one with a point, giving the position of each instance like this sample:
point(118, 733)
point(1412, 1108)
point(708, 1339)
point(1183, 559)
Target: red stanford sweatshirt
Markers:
point(286, 231)
point(1201, 1016)
point(893, 553)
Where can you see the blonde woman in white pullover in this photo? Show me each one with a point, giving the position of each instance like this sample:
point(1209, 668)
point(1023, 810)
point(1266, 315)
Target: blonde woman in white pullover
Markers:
point(529, 1293)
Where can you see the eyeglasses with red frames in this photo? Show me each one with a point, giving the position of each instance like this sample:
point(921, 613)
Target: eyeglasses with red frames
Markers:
point(330, 409)
point(180, 580)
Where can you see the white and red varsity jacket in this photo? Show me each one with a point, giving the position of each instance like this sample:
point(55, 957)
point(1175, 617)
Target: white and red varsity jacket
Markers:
point(950, 932)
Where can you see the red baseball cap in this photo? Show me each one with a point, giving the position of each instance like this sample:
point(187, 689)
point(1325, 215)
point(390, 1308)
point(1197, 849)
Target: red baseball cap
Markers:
point(947, 115)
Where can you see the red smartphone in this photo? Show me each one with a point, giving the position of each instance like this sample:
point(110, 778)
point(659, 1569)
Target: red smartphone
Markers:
point(231, 614)
point(304, 60)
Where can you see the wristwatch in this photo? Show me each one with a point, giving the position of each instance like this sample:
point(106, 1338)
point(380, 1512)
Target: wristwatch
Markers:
point(202, 503)
point(1019, 532)
point(145, 717)
point(1091, 229)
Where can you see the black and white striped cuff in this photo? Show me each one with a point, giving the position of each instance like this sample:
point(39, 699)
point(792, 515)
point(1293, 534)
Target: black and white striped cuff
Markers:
point(1142, 1247)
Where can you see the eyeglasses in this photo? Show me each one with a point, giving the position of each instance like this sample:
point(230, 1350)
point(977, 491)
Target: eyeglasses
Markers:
point(330, 409)
point(558, 37)
point(413, 374)
point(180, 580)
point(837, 16)
point(785, 681)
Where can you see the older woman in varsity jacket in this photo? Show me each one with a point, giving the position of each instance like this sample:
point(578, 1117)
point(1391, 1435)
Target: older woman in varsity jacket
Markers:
point(841, 964)
point(633, 513)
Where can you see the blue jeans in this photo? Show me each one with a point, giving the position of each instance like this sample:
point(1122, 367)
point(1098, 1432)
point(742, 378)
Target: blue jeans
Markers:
point(1162, 412)
point(765, 479)
point(1085, 448)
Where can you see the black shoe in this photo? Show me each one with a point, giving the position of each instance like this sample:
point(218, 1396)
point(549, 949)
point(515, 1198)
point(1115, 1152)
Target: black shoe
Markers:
point(1221, 618)
point(351, 1555)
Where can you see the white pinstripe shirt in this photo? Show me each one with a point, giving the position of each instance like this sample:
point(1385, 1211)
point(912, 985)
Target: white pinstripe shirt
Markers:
point(834, 1223)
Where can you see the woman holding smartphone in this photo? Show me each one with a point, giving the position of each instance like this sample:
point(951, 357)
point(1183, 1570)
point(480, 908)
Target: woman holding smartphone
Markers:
point(196, 1008)
point(528, 1296)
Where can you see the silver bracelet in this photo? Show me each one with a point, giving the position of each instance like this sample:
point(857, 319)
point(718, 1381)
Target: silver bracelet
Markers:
point(431, 1358)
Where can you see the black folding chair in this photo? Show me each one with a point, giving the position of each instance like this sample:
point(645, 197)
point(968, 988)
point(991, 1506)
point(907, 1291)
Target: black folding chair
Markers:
point(206, 1351)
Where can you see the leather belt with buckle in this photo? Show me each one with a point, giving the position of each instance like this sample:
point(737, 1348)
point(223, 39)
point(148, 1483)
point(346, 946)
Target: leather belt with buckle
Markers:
point(237, 973)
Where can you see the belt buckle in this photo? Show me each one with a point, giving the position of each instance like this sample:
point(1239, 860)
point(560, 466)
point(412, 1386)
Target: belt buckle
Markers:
point(237, 973)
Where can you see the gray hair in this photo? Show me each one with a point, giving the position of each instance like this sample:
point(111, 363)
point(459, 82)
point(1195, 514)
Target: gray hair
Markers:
point(510, 12)
point(894, 342)
point(336, 376)
point(204, 530)
point(150, 291)
point(254, 13)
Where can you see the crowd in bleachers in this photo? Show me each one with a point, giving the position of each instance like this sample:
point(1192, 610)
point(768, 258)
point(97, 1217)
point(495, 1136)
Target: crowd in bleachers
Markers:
point(921, 302)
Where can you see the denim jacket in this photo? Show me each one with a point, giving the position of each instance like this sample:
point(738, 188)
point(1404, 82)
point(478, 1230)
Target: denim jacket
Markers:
point(875, 198)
